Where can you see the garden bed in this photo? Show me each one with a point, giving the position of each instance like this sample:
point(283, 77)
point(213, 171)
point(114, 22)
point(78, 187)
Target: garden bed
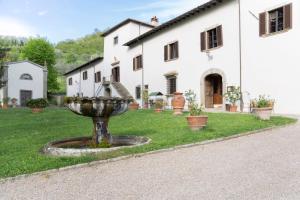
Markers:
point(24, 134)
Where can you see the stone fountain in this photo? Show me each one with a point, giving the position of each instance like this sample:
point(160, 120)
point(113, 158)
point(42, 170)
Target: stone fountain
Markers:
point(112, 99)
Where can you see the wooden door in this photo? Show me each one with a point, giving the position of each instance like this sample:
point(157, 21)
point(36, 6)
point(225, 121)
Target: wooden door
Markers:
point(218, 90)
point(116, 74)
point(25, 95)
point(209, 97)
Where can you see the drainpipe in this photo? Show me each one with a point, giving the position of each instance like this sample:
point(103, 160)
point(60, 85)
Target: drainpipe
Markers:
point(80, 83)
point(240, 55)
point(143, 84)
point(94, 82)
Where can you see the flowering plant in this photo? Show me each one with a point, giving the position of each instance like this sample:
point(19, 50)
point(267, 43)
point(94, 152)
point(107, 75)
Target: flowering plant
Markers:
point(262, 102)
point(233, 95)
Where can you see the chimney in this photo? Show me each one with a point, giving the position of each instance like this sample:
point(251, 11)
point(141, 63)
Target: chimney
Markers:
point(154, 21)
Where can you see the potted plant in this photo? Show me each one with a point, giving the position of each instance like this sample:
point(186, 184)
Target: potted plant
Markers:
point(178, 103)
point(190, 97)
point(262, 107)
point(37, 105)
point(134, 106)
point(196, 120)
point(233, 95)
point(146, 99)
point(14, 102)
point(159, 103)
point(5, 102)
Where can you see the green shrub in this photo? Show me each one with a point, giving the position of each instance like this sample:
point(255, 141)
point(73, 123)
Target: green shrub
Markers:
point(262, 102)
point(159, 103)
point(6, 100)
point(37, 103)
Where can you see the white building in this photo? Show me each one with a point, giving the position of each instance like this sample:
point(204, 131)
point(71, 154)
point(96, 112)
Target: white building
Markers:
point(222, 43)
point(25, 81)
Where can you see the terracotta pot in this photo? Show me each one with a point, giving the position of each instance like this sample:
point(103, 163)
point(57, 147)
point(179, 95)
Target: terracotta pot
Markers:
point(233, 108)
point(178, 103)
point(5, 106)
point(263, 113)
point(197, 122)
point(146, 106)
point(133, 106)
point(158, 110)
point(36, 110)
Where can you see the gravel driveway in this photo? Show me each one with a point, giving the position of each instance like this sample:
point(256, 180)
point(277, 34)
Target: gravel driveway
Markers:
point(260, 166)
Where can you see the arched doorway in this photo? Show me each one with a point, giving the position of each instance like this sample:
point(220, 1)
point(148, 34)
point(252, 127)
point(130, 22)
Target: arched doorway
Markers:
point(213, 90)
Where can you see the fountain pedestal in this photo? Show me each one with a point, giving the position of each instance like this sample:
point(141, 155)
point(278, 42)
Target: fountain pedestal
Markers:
point(101, 134)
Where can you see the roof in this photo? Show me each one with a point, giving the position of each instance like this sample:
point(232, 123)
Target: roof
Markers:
point(94, 61)
point(28, 61)
point(156, 94)
point(197, 10)
point(124, 23)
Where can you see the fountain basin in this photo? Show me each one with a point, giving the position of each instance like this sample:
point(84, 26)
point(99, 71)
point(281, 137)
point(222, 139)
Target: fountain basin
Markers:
point(80, 146)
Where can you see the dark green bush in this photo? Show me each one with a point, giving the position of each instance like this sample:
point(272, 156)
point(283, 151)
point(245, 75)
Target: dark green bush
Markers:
point(37, 103)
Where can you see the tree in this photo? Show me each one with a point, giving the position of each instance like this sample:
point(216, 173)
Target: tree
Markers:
point(3, 52)
point(40, 51)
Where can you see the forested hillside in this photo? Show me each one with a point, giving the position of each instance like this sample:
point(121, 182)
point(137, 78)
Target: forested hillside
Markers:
point(69, 53)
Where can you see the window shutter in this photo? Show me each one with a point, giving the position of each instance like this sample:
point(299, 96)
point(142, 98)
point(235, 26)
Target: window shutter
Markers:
point(262, 24)
point(288, 16)
point(141, 61)
point(203, 41)
point(176, 50)
point(133, 64)
point(166, 52)
point(95, 77)
point(220, 35)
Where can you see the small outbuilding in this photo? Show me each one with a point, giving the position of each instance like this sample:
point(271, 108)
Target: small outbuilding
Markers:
point(25, 80)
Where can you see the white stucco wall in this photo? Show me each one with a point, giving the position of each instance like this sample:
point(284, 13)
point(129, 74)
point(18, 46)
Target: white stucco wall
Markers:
point(15, 84)
point(192, 63)
point(271, 64)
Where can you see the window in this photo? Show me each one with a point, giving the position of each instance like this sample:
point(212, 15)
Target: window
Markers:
point(138, 92)
point(26, 77)
point(85, 75)
point(138, 63)
point(70, 81)
point(212, 38)
point(171, 84)
point(115, 72)
point(277, 20)
point(171, 51)
point(97, 77)
point(116, 40)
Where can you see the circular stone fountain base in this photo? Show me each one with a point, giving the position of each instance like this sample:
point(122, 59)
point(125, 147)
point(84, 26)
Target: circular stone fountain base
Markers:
point(83, 145)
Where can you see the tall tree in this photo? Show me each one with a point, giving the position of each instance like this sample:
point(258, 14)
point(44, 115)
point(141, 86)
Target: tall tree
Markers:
point(40, 51)
point(3, 52)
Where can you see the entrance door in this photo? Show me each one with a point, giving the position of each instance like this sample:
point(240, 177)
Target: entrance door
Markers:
point(209, 98)
point(213, 90)
point(25, 96)
point(115, 72)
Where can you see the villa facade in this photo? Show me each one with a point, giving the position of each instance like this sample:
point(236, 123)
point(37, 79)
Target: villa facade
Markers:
point(219, 44)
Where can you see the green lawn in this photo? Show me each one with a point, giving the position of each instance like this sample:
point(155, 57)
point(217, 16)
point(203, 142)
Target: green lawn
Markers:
point(23, 134)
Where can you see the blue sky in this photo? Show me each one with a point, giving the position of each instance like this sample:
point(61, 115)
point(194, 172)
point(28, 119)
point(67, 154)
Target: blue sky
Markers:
point(70, 19)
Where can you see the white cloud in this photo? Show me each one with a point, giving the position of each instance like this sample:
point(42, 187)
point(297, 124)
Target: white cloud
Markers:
point(42, 12)
point(14, 27)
